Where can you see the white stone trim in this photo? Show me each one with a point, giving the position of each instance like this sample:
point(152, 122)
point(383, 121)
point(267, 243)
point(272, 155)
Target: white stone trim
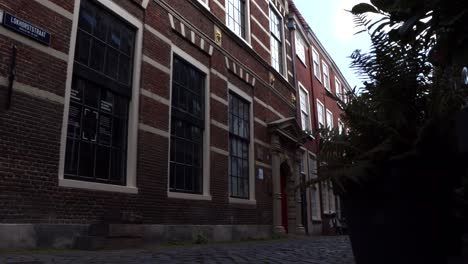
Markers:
point(268, 107)
point(156, 64)
point(206, 195)
point(33, 91)
point(155, 97)
point(248, 98)
point(97, 186)
point(220, 5)
point(188, 196)
point(261, 164)
point(153, 130)
point(261, 10)
point(28, 42)
point(158, 34)
point(56, 8)
point(144, 3)
point(261, 44)
point(132, 138)
point(262, 143)
point(204, 4)
point(219, 125)
point(260, 25)
point(220, 151)
point(220, 75)
point(261, 122)
point(242, 201)
point(219, 99)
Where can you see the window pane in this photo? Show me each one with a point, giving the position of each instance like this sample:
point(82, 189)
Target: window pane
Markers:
point(186, 125)
point(102, 162)
point(97, 127)
point(97, 55)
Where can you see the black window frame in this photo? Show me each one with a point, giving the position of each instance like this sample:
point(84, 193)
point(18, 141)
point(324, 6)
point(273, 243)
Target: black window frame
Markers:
point(239, 147)
point(100, 97)
point(187, 128)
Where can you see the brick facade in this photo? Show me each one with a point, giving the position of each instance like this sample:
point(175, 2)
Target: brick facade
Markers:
point(32, 134)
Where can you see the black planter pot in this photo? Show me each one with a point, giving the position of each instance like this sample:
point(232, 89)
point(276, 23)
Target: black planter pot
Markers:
point(402, 217)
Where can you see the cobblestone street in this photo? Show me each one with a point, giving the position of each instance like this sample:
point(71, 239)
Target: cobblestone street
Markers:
point(319, 250)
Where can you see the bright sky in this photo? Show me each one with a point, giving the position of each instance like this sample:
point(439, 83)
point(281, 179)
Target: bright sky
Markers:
point(335, 29)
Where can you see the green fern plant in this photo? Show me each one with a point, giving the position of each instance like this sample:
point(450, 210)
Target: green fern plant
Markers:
point(404, 105)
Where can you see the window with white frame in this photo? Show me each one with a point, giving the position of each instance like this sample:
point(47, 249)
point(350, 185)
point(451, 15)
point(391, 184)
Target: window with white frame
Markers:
point(339, 89)
point(316, 59)
point(325, 197)
point(332, 197)
point(300, 48)
point(305, 109)
point(320, 114)
point(236, 17)
point(329, 119)
point(340, 127)
point(276, 41)
point(101, 92)
point(326, 76)
point(314, 191)
point(239, 146)
point(187, 128)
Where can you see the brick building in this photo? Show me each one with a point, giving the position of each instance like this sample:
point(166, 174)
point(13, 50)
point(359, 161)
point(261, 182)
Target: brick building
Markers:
point(154, 119)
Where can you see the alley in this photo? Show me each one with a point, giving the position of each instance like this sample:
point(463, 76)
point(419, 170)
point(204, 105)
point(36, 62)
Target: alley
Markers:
point(319, 250)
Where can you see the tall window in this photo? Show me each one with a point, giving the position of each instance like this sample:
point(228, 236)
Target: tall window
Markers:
point(329, 119)
point(315, 57)
point(320, 114)
point(276, 40)
point(325, 197)
point(326, 76)
point(300, 48)
point(187, 127)
point(304, 102)
point(314, 193)
point(339, 89)
point(235, 16)
point(100, 95)
point(239, 140)
point(340, 127)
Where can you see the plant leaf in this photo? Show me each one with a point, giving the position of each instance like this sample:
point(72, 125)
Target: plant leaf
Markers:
point(363, 8)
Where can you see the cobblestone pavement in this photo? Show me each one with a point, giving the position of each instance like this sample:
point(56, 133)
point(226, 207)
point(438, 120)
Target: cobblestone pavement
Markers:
point(319, 250)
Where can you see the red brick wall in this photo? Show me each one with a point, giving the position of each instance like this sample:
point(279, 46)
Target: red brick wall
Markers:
point(30, 132)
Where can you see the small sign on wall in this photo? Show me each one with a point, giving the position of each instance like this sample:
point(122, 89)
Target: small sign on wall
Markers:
point(260, 174)
point(25, 28)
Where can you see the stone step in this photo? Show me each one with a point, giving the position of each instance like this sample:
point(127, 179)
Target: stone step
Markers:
point(108, 243)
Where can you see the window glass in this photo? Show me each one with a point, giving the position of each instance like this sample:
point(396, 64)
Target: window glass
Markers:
point(326, 76)
point(236, 16)
point(276, 41)
point(329, 120)
point(315, 56)
point(304, 104)
point(239, 140)
point(320, 114)
point(187, 125)
point(300, 48)
point(98, 115)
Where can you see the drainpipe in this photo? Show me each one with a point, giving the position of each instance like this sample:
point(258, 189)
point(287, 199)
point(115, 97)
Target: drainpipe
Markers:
point(292, 28)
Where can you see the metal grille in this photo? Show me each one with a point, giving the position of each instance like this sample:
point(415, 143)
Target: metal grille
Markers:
point(187, 126)
point(239, 140)
point(98, 116)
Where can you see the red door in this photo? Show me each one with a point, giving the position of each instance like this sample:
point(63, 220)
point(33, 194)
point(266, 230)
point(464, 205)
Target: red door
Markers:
point(284, 203)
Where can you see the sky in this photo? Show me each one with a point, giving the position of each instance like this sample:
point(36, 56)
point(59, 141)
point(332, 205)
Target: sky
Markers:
point(335, 29)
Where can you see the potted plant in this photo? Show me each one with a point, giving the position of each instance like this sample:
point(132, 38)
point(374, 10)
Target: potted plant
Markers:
point(398, 166)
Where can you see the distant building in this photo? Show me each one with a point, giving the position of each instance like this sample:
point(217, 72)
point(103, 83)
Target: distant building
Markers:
point(159, 120)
